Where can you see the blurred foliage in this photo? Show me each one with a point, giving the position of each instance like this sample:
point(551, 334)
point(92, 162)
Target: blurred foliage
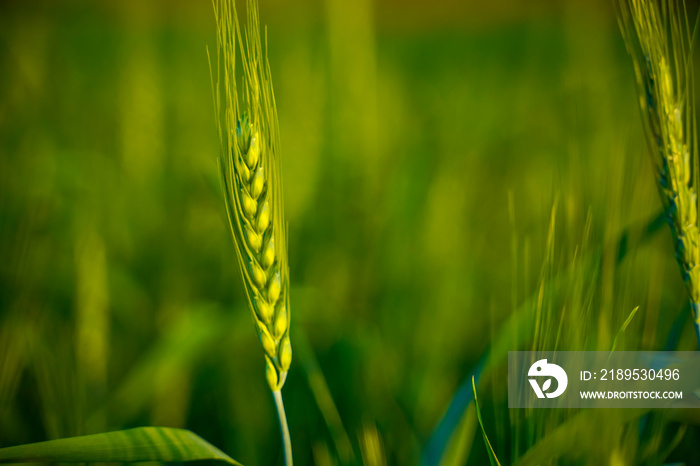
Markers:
point(443, 164)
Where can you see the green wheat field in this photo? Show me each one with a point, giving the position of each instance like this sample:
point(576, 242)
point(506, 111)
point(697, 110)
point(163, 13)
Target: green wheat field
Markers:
point(461, 179)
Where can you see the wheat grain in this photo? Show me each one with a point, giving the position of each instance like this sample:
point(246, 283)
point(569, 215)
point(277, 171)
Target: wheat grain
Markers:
point(250, 174)
point(658, 38)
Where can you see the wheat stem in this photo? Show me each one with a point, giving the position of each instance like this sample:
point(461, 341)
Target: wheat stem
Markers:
point(284, 428)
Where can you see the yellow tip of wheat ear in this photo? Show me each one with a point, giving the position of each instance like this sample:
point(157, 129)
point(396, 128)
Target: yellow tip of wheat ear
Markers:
point(250, 175)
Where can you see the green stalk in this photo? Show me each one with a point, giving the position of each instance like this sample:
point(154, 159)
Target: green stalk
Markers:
point(284, 428)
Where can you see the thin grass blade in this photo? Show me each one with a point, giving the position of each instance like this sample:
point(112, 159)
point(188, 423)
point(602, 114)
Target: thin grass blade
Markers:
point(324, 399)
point(489, 448)
point(521, 325)
point(624, 326)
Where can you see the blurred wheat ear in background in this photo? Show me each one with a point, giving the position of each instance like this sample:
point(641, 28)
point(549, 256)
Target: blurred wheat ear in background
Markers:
point(659, 40)
point(249, 165)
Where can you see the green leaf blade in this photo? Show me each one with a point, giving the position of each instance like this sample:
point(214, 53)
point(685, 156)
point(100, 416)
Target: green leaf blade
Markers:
point(131, 446)
point(492, 454)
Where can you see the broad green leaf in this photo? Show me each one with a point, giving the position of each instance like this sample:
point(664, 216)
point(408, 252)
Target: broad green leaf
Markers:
point(460, 444)
point(489, 448)
point(131, 445)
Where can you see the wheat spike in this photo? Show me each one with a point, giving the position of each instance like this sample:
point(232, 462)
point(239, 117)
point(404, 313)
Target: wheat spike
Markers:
point(250, 175)
point(658, 37)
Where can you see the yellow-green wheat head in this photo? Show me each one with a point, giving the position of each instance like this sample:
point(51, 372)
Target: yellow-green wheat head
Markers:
point(250, 174)
point(658, 37)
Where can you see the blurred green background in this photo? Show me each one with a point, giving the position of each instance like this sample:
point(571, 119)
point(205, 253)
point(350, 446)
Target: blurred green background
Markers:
point(444, 162)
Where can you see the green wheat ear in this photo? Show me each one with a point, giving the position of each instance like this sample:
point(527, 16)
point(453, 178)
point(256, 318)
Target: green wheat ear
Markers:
point(250, 175)
point(658, 37)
